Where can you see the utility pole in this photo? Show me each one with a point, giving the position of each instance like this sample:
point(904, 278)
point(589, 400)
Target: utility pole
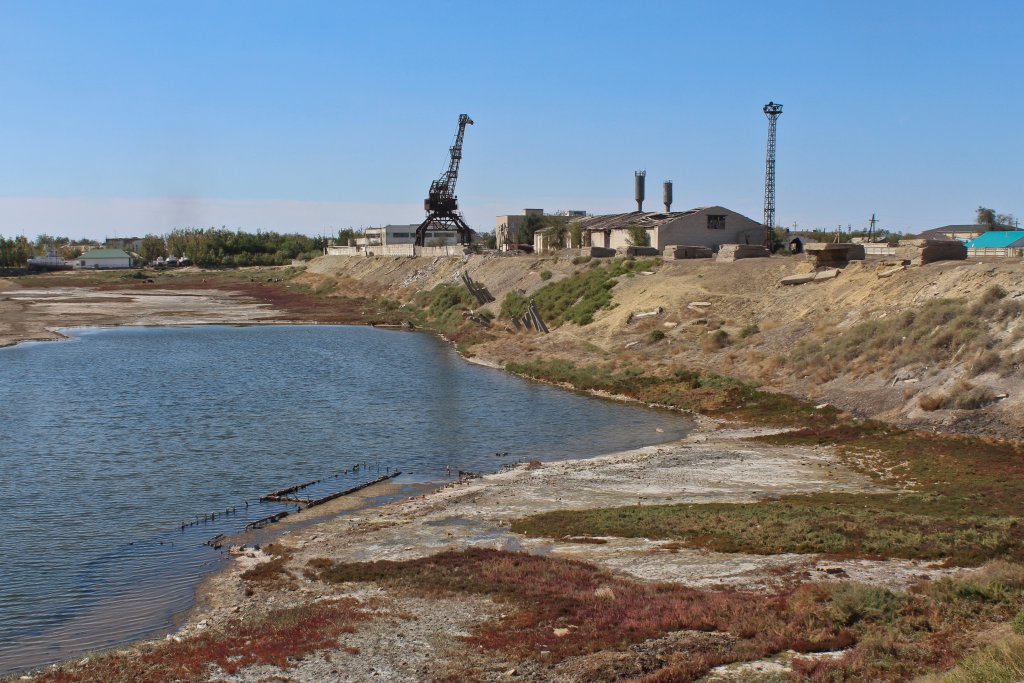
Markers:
point(871, 228)
point(772, 111)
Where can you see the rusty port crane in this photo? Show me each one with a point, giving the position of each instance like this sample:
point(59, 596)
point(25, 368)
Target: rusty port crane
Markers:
point(441, 204)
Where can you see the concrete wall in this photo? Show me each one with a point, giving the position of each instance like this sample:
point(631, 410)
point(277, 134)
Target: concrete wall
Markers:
point(397, 250)
point(995, 251)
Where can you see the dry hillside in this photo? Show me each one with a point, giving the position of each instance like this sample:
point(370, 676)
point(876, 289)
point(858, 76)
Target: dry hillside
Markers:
point(938, 344)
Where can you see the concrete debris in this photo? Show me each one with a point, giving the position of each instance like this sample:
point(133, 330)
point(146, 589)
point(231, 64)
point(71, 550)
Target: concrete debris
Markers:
point(798, 279)
point(601, 252)
point(889, 272)
point(630, 345)
point(698, 306)
point(642, 251)
point(636, 315)
point(802, 278)
point(733, 252)
point(683, 251)
point(834, 253)
point(922, 251)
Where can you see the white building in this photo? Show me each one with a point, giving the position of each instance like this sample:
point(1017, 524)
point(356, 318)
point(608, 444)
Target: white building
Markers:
point(706, 226)
point(104, 258)
point(403, 234)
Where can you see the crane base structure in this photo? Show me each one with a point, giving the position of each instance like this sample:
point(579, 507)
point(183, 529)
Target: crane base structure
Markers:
point(441, 204)
point(442, 221)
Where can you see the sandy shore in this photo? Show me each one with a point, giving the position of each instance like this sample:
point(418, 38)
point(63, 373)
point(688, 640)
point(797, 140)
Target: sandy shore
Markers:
point(711, 465)
point(35, 314)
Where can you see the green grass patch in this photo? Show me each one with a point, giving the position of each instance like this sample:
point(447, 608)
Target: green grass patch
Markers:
point(842, 525)
point(962, 502)
point(702, 392)
point(580, 296)
point(971, 475)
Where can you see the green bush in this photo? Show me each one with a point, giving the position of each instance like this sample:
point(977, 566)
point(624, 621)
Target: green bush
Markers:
point(580, 260)
point(514, 304)
point(749, 331)
point(545, 275)
point(1018, 624)
point(656, 336)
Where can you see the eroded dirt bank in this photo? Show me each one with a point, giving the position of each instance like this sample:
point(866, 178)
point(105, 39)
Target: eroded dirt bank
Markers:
point(843, 340)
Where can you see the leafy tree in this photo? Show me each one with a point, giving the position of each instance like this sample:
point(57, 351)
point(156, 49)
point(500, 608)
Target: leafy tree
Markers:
point(575, 234)
point(488, 240)
point(530, 225)
point(152, 248)
point(16, 251)
point(637, 236)
point(986, 217)
point(347, 237)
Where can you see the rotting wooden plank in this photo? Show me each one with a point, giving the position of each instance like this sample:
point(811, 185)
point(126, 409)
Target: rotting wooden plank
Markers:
point(260, 523)
point(290, 489)
point(326, 499)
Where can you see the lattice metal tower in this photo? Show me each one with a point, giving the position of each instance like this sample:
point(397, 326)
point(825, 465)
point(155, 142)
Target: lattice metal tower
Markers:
point(772, 110)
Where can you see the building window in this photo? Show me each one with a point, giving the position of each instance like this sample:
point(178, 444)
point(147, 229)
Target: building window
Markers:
point(716, 222)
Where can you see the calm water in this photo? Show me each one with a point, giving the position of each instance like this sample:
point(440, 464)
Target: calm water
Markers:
point(110, 441)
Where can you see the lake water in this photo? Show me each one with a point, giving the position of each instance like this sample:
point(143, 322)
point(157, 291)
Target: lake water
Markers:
point(111, 441)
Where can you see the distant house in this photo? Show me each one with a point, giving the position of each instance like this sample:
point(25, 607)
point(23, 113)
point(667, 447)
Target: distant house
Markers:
point(706, 226)
point(128, 243)
point(104, 258)
point(997, 243)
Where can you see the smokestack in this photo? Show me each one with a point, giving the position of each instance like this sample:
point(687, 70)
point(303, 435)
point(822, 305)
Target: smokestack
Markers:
point(666, 195)
point(639, 180)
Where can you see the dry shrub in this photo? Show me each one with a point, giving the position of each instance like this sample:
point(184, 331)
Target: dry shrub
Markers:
point(975, 398)
point(277, 639)
point(930, 402)
point(608, 611)
point(985, 361)
point(716, 341)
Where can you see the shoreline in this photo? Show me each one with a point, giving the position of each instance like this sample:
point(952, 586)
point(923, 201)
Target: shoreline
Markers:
point(181, 621)
point(715, 463)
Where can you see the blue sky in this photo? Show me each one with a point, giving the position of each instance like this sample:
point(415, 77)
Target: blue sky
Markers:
point(126, 118)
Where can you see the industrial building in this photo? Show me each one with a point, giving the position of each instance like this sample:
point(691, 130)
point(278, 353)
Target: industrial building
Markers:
point(506, 228)
point(706, 226)
point(402, 234)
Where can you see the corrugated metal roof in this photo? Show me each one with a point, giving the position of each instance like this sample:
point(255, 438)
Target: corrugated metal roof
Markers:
point(646, 220)
point(997, 239)
point(105, 253)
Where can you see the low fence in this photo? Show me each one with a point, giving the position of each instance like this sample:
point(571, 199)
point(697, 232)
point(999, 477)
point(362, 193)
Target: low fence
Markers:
point(397, 250)
point(1009, 252)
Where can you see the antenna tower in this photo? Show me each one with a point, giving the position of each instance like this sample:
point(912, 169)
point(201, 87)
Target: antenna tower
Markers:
point(871, 228)
point(772, 110)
